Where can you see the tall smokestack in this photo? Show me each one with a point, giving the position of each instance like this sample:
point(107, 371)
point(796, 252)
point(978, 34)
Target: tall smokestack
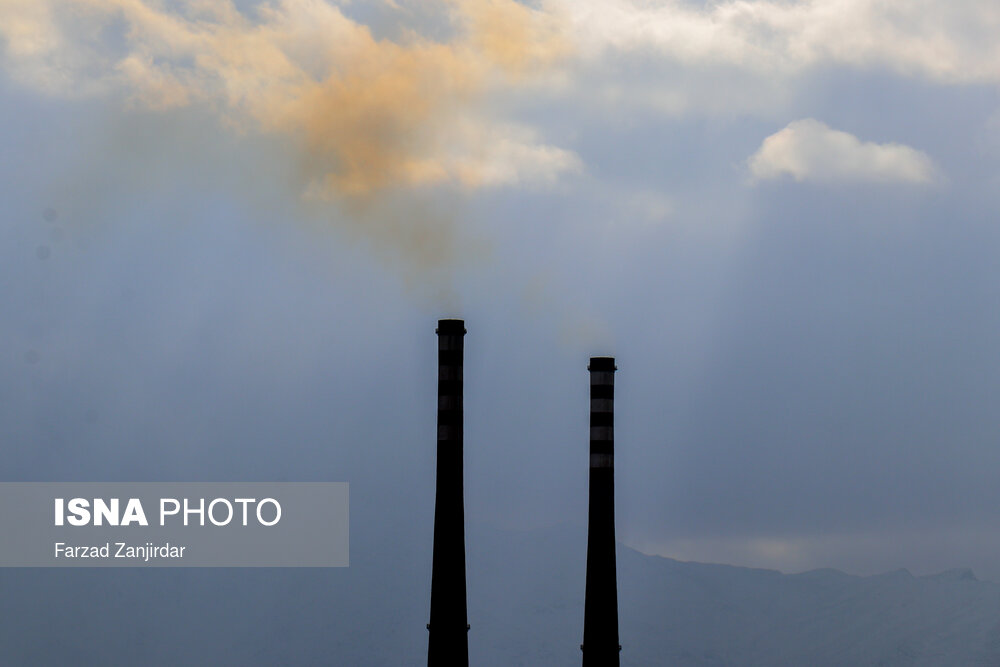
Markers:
point(600, 622)
point(448, 644)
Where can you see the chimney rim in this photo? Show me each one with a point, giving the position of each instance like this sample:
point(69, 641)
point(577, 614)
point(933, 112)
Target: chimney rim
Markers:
point(602, 364)
point(450, 327)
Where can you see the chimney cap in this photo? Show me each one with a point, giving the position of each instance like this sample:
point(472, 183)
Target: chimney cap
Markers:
point(451, 327)
point(602, 364)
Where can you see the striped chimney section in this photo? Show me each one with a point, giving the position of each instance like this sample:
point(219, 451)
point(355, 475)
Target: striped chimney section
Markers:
point(448, 643)
point(600, 624)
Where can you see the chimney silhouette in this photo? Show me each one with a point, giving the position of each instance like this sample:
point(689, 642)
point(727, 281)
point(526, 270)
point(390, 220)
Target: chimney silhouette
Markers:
point(600, 621)
point(448, 642)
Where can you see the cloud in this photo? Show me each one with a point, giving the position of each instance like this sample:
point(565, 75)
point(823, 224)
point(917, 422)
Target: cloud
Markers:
point(936, 39)
point(680, 57)
point(808, 150)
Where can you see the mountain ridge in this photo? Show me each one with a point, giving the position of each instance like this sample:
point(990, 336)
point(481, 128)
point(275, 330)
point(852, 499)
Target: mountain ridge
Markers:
point(526, 595)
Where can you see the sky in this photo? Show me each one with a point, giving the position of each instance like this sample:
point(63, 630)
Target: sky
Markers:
point(229, 228)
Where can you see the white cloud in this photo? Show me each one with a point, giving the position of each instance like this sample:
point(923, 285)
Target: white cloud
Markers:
point(682, 57)
point(506, 155)
point(808, 150)
point(937, 39)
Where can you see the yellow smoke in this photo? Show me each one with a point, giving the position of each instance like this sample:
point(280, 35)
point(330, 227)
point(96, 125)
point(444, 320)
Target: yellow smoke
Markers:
point(365, 114)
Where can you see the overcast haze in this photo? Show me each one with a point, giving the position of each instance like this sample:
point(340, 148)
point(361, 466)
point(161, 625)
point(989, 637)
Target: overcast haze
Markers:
point(781, 218)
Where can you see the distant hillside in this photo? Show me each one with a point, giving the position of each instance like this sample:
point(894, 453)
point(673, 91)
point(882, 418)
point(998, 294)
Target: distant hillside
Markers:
point(525, 608)
point(687, 614)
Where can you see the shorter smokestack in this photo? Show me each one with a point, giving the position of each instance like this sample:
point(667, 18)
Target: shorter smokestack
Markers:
point(600, 622)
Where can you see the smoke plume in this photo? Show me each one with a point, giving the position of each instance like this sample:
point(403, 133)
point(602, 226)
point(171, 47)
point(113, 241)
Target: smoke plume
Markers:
point(366, 117)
